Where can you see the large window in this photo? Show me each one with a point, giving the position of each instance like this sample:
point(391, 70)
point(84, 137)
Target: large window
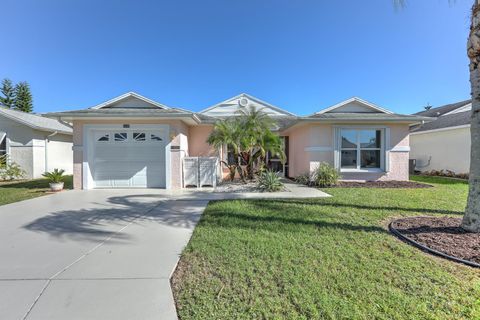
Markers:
point(361, 149)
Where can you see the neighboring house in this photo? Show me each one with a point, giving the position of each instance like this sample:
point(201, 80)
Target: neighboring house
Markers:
point(443, 144)
point(132, 141)
point(34, 142)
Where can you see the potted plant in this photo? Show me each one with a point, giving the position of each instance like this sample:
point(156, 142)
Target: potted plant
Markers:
point(56, 179)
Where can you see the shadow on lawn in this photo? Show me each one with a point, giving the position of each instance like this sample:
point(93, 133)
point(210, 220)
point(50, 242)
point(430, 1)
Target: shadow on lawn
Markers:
point(322, 202)
point(35, 184)
point(106, 219)
point(279, 223)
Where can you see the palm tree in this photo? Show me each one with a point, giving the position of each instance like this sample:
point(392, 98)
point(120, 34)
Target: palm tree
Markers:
point(228, 133)
point(471, 219)
point(249, 134)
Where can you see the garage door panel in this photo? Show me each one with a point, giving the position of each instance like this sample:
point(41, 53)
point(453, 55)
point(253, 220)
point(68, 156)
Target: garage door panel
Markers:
point(136, 161)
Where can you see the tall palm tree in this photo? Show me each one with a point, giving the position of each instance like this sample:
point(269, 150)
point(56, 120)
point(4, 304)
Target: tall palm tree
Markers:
point(471, 219)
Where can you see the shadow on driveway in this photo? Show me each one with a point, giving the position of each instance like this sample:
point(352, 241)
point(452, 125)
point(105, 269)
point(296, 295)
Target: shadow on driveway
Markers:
point(107, 219)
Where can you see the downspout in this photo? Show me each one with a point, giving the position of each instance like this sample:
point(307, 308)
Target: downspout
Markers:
point(46, 148)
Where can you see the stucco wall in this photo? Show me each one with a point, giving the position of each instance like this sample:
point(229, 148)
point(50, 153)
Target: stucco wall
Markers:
point(59, 153)
point(178, 135)
point(27, 148)
point(198, 146)
point(449, 150)
point(311, 144)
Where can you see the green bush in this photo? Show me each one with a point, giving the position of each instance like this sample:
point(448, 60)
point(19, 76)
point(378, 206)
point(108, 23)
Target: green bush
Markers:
point(325, 175)
point(56, 176)
point(10, 170)
point(269, 181)
point(303, 178)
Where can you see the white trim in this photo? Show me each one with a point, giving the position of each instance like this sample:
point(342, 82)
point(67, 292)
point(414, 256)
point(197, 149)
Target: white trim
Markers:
point(441, 129)
point(355, 99)
point(245, 95)
point(384, 155)
point(371, 170)
point(400, 149)
point(466, 107)
point(128, 95)
point(318, 149)
point(87, 179)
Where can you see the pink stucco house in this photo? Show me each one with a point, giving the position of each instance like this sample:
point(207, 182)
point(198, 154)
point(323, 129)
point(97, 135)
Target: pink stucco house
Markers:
point(132, 141)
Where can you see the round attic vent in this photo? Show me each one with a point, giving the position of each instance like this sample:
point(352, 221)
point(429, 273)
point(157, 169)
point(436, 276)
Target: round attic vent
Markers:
point(243, 102)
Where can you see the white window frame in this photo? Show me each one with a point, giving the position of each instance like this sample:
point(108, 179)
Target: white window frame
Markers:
point(384, 148)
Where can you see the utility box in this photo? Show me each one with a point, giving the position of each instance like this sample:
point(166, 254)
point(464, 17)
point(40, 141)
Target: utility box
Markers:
point(190, 172)
point(208, 171)
point(200, 171)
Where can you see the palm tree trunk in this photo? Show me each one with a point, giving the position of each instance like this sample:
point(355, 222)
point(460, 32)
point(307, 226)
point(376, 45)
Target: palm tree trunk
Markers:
point(471, 219)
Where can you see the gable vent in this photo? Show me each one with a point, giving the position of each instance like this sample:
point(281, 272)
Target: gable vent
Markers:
point(243, 102)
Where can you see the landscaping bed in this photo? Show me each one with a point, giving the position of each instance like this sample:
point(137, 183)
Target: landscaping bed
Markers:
point(441, 234)
point(382, 184)
point(237, 186)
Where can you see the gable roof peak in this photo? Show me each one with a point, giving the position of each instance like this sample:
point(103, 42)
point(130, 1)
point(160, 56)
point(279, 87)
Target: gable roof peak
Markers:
point(252, 98)
point(359, 101)
point(127, 95)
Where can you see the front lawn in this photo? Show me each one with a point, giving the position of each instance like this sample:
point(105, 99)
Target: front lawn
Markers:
point(324, 259)
point(22, 190)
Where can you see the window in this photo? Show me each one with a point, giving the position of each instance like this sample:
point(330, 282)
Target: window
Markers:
point(122, 136)
point(139, 136)
point(361, 149)
point(105, 137)
point(155, 137)
point(3, 148)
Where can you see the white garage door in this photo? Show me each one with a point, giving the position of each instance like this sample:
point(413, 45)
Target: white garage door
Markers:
point(124, 158)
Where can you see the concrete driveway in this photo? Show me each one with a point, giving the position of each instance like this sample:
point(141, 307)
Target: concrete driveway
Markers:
point(100, 254)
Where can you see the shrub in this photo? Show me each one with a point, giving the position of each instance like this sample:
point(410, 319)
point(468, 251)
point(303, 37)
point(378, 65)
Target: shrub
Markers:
point(325, 175)
point(10, 170)
point(269, 181)
point(56, 176)
point(303, 178)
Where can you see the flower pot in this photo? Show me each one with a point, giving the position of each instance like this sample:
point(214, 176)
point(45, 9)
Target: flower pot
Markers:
point(56, 186)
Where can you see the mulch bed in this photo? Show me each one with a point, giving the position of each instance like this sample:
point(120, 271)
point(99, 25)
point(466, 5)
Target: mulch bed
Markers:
point(382, 184)
point(442, 234)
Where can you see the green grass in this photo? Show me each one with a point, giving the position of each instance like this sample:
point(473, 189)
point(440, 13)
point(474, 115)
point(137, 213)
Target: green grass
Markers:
point(22, 190)
point(324, 259)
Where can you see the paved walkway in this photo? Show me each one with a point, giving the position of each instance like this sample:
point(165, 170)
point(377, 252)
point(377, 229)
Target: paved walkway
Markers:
point(101, 254)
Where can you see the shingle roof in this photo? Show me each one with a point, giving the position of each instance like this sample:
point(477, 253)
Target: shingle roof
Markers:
point(122, 111)
point(436, 112)
point(367, 117)
point(36, 121)
point(451, 120)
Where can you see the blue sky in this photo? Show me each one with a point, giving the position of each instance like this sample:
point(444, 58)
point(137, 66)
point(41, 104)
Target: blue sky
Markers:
point(300, 55)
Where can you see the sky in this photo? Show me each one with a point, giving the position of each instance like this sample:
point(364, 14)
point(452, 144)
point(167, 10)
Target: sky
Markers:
point(300, 55)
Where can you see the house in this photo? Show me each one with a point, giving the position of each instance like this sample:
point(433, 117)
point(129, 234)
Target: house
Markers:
point(443, 144)
point(36, 143)
point(133, 141)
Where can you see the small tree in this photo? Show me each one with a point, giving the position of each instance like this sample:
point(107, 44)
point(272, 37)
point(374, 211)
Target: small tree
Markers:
point(8, 92)
point(23, 97)
point(249, 136)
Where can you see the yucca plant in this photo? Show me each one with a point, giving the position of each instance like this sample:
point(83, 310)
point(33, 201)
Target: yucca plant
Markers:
point(269, 181)
point(55, 176)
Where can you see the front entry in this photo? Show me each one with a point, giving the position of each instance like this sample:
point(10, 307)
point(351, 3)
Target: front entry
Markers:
point(275, 164)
